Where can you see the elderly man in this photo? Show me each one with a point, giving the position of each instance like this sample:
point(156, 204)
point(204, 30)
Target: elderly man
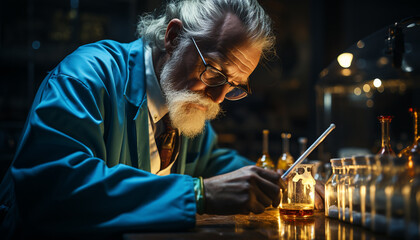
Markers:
point(118, 137)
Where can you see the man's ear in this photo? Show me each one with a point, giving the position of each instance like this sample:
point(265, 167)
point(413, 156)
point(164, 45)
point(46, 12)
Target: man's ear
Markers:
point(173, 30)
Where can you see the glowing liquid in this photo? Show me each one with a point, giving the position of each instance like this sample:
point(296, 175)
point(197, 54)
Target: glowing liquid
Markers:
point(297, 210)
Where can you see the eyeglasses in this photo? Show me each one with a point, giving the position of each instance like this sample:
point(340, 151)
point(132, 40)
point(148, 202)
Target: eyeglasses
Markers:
point(212, 77)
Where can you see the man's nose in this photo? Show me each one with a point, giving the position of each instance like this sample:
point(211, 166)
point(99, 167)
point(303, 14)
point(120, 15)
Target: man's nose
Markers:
point(217, 94)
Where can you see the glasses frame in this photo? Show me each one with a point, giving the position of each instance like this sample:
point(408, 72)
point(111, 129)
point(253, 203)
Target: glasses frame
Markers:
point(209, 66)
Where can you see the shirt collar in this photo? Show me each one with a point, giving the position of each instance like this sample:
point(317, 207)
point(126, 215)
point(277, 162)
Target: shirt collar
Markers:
point(155, 99)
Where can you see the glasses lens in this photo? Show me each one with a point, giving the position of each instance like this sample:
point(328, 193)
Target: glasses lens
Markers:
point(213, 77)
point(235, 94)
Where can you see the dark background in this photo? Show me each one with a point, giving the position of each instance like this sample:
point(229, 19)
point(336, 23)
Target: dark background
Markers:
point(36, 34)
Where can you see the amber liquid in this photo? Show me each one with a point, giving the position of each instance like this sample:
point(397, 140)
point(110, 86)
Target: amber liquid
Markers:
point(296, 211)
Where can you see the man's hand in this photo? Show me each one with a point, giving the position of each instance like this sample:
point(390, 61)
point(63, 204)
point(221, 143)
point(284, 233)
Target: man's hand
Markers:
point(249, 189)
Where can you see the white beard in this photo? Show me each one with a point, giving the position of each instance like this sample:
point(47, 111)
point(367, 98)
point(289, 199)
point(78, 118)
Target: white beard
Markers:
point(187, 118)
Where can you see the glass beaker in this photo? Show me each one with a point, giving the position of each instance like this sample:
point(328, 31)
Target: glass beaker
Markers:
point(331, 190)
point(358, 188)
point(299, 198)
point(377, 190)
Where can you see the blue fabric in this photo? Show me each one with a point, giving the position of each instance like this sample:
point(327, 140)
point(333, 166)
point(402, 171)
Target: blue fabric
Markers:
point(83, 167)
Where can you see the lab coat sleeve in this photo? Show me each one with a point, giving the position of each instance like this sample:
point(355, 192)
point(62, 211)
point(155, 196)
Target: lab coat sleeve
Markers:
point(210, 160)
point(63, 186)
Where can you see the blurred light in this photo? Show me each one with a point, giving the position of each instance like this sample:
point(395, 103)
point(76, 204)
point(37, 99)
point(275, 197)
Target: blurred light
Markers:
point(346, 72)
point(369, 103)
point(36, 45)
point(377, 82)
point(366, 87)
point(327, 100)
point(360, 44)
point(345, 59)
point(382, 61)
point(357, 91)
point(323, 73)
point(408, 68)
point(381, 89)
point(369, 94)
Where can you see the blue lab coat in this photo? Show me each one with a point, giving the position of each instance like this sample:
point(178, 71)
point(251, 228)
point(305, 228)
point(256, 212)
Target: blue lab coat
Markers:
point(83, 165)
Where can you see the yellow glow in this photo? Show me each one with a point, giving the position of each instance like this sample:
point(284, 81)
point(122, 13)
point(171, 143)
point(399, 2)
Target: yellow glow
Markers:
point(377, 82)
point(366, 87)
point(382, 61)
point(345, 59)
point(346, 72)
point(369, 103)
point(357, 91)
point(381, 89)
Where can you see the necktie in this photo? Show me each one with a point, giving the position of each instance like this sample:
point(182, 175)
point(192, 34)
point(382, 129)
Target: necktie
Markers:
point(166, 143)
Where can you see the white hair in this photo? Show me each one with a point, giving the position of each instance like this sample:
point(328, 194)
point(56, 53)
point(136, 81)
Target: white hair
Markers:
point(200, 16)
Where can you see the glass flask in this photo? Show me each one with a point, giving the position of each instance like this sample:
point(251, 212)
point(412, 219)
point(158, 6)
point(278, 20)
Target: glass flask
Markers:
point(358, 188)
point(286, 159)
point(395, 197)
point(385, 136)
point(414, 149)
point(331, 189)
point(411, 192)
point(265, 160)
point(377, 190)
point(299, 198)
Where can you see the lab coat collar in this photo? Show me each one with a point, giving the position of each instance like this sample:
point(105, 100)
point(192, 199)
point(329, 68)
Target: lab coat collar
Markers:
point(135, 89)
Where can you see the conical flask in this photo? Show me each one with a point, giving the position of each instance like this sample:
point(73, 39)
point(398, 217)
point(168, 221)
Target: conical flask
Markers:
point(386, 149)
point(265, 160)
point(286, 159)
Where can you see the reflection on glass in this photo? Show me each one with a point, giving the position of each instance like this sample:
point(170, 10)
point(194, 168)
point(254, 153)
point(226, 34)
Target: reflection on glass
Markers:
point(297, 229)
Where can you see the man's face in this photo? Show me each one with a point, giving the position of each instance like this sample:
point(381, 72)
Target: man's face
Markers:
point(190, 101)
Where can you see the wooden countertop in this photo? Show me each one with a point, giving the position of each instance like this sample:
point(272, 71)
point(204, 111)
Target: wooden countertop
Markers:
point(267, 225)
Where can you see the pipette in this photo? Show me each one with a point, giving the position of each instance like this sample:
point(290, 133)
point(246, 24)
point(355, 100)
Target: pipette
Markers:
point(308, 151)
